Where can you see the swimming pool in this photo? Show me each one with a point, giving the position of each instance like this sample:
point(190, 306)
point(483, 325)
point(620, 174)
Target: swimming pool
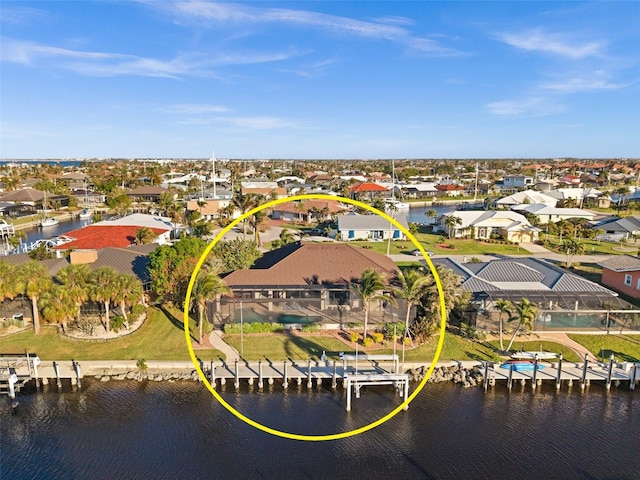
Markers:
point(251, 316)
point(571, 320)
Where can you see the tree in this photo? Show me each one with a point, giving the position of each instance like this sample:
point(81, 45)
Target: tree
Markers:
point(33, 279)
point(563, 226)
point(413, 286)
point(128, 291)
point(171, 267)
point(503, 306)
point(74, 279)
point(145, 236)
point(202, 228)
point(452, 222)
point(104, 288)
point(286, 237)
point(57, 305)
point(258, 221)
point(431, 215)
point(599, 232)
point(370, 287)
point(526, 312)
point(207, 286)
point(237, 254)
point(572, 247)
point(8, 286)
point(244, 203)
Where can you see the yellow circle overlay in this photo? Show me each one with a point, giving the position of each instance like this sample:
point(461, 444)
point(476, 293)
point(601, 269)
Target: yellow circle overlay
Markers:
point(333, 436)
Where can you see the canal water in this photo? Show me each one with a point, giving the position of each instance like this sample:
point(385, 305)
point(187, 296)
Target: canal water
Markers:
point(154, 430)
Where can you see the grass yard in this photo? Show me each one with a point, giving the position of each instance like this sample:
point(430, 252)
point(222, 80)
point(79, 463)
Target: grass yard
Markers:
point(278, 347)
point(593, 247)
point(545, 346)
point(160, 338)
point(624, 347)
point(429, 241)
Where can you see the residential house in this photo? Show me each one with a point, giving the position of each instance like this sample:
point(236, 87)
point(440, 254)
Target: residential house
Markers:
point(208, 209)
point(306, 283)
point(481, 225)
point(307, 211)
point(147, 194)
point(367, 191)
point(354, 226)
point(546, 214)
point(420, 190)
point(265, 188)
point(450, 189)
point(119, 233)
point(616, 229)
point(517, 181)
point(526, 196)
point(622, 272)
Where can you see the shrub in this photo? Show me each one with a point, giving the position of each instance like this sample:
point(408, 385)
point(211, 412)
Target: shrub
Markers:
point(378, 337)
point(389, 328)
point(141, 364)
point(354, 336)
point(234, 328)
point(366, 342)
point(116, 323)
point(311, 328)
point(137, 310)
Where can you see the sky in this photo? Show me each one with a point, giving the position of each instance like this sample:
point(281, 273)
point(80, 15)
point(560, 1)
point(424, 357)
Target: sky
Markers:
point(337, 79)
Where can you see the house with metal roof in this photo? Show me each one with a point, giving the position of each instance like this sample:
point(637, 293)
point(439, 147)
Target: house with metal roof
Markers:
point(615, 229)
point(354, 226)
point(527, 196)
point(565, 301)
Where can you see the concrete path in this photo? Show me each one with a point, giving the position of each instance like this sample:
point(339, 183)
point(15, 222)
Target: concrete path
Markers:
point(230, 353)
point(563, 339)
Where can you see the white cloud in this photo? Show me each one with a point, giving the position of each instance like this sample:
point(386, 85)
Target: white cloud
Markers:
point(258, 123)
point(388, 28)
point(529, 107)
point(537, 40)
point(195, 108)
point(104, 64)
point(595, 81)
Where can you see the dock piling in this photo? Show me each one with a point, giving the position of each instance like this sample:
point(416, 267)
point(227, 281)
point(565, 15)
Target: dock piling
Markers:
point(634, 376)
point(334, 382)
point(260, 382)
point(510, 378)
point(583, 380)
point(534, 383)
point(212, 374)
point(486, 375)
point(609, 372)
point(285, 383)
point(559, 376)
point(56, 369)
point(237, 375)
point(309, 382)
point(76, 367)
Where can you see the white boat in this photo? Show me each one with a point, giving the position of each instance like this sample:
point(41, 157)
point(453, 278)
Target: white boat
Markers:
point(532, 355)
point(49, 222)
point(393, 204)
point(86, 213)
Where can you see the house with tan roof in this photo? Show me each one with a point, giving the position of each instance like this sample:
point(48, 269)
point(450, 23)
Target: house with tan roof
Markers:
point(306, 283)
point(307, 211)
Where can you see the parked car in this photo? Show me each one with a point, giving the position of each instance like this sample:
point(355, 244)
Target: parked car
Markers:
point(418, 253)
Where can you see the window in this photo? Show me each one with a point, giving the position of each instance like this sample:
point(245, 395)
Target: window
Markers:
point(638, 285)
point(627, 280)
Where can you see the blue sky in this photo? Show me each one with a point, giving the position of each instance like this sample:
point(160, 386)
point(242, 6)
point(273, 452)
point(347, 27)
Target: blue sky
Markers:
point(332, 79)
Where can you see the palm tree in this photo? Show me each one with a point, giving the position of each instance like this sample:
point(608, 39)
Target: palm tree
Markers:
point(244, 203)
point(33, 279)
point(563, 227)
point(74, 279)
point(8, 287)
point(413, 285)
point(58, 306)
point(369, 287)
point(572, 247)
point(129, 290)
point(526, 313)
point(452, 222)
point(257, 221)
point(104, 288)
point(432, 215)
point(207, 286)
point(503, 306)
point(287, 236)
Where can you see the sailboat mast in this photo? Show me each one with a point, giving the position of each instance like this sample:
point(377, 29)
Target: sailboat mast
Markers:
point(213, 173)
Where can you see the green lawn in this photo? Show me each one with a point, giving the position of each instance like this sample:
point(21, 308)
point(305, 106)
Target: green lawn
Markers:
point(160, 338)
point(593, 247)
point(429, 240)
point(545, 346)
point(282, 346)
point(624, 347)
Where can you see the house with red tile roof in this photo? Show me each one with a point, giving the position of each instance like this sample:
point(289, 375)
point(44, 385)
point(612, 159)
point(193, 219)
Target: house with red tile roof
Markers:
point(118, 233)
point(307, 283)
point(368, 191)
